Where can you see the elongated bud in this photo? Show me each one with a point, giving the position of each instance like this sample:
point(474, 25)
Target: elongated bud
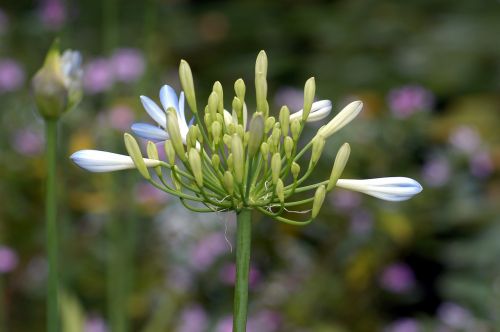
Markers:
point(174, 133)
point(238, 109)
point(261, 64)
point(256, 134)
point(261, 94)
point(170, 152)
point(186, 77)
point(339, 165)
point(230, 162)
point(229, 182)
point(152, 151)
point(216, 132)
point(217, 88)
point(213, 104)
point(135, 153)
point(345, 116)
point(280, 190)
point(208, 118)
point(239, 89)
point(227, 140)
point(264, 150)
point(295, 129)
point(309, 91)
point(319, 198)
point(295, 170)
point(215, 161)
point(288, 143)
point(269, 124)
point(276, 167)
point(238, 158)
point(195, 163)
point(317, 149)
point(284, 120)
point(240, 131)
point(276, 135)
point(272, 147)
point(199, 135)
point(191, 138)
point(174, 178)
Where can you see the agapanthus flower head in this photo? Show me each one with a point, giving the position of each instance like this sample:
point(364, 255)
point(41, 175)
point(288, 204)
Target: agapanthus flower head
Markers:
point(229, 160)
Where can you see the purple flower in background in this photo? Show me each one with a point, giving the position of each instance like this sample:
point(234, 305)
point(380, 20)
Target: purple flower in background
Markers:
point(193, 319)
point(4, 22)
point(98, 76)
point(361, 222)
point(228, 274)
point(11, 75)
point(146, 194)
point(8, 259)
point(95, 324)
point(52, 13)
point(292, 97)
point(264, 321)
point(225, 325)
point(454, 315)
point(436, 171)
point(409, 99)
point(120, 117)
point(397, 278)
point(208, 250)
point(481, 164)
point(345, 200)
point(403, 325)
point(28, 142)
point(128, 64)
point(465, 139)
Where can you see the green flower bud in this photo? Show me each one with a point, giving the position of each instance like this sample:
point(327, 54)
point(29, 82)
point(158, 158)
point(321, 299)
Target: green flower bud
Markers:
point(213, 104)
point(309, 91)
point(285, 120)
point(216, 132)
point(215, 161)
point(317, 149)
point(135, 153)
point(218, 89)
point(261, 94)
point(208, 118)
point(339, 165)
point(57, 86)
point(195, 163)
point(288, 144)
point(276, 136)
point(186, 77)
point(264, 151)
point(238, 109)
point(276, 167)
point(238, 158)
point(295, 129)
point(319, 198)
point(227, 140)
point(191, 138)
point(295, 170)
point(261, 64)
point(230, 162)
point(280, 190)
point(152, 151)
point(239, 89)
point(174, 179)
point(240, 131)
point(231, 129)
point(269, 124)
point(228, 182)
point(256, 134)
point(170, 152)
point(174, 133)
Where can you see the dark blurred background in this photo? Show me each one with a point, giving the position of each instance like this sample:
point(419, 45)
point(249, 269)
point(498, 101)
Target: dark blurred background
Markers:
point(428, 73)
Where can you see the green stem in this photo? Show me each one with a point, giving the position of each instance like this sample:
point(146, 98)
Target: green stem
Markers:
point(51, 227)
point(243, 242)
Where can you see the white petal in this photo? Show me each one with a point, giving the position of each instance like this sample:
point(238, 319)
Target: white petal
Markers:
point(228, 118)
point(345, 116)
point(155, 112)
point(149, 132)
point(102, 161)
point(168, 98)
point(181, 106)
point(390, 189)
point(319, 110)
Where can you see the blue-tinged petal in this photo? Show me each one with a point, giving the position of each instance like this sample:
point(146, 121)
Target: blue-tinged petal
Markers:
point(102, 161)
point(390, 189)
point(168, 98)
point(181, 106)
point(149, 132)
point(154, 111)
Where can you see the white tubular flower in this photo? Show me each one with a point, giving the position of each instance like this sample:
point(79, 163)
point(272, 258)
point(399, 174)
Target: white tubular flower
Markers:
point(168, 98)
point(389, 189)
point(102, 161)
point(319, 111)
point(343, 118)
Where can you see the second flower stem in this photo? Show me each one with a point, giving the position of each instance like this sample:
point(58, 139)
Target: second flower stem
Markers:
point(243, 247)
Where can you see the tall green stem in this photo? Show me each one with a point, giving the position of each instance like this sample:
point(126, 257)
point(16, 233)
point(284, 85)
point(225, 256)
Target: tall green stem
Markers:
point(243, 244)
point(51, 226)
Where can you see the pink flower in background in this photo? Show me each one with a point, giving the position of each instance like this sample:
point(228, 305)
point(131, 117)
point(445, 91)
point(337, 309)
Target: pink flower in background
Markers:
point(193, 319)
point(481, 164)
point(436, 171)
point(397, 278)
point(128, 64)
point(455, 316)
point(292, 97)
point(345, 200)
point(147, 194)
point(208, 250)
point(120, 117)
point(4, 22)
point(404, 325)
point(228, 274)
point(465, 139)
point(8, 259)
point(28, 142)
point(95, 324)
point(226, 325)
point(409, 99)
point(263, 321)
point(98, 76)
point(11, 75)
point(52, 13)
